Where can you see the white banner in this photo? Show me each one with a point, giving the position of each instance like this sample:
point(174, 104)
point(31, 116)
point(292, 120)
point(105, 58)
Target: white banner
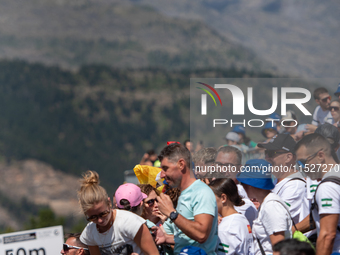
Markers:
point(42, 241)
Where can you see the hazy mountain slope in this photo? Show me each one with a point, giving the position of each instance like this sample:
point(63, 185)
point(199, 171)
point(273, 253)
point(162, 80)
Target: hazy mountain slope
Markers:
point(299, 37)
point(72, 33)
point(29, 183)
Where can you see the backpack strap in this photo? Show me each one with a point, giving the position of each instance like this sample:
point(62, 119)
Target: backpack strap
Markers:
point(333, 179)
point(293, 179)
point(260, 245)
point(257, 239)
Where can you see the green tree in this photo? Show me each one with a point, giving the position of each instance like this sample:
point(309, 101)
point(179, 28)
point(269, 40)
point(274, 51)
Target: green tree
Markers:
point(45, 218)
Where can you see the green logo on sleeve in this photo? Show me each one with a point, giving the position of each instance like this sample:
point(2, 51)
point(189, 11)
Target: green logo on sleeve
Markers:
point(313, 188)
point(325, 202)
point(223, 247)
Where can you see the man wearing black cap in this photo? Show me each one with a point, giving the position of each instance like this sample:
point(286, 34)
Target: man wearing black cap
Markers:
point(291, 186)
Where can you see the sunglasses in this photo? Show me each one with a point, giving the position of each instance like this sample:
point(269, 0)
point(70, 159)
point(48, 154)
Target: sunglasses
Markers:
point(326, 99)
point(67, 247)
point(152, 201)
point(303, 162)
point(272, 154)
point(288, 123)
point(335, 108)
point(96, 217)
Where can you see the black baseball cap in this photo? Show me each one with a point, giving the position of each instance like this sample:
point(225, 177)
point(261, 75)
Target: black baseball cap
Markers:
point(279, 142)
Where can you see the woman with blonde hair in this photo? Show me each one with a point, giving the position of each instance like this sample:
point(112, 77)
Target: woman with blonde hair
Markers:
point(110, 231)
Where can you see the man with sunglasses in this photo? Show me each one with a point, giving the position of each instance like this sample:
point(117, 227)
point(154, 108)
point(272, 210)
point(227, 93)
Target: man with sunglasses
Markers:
point(292, 127)
point(315, 158)
point(321, 113)
point(289, 123)
point(335, 112)
point(290, 186)
point(73, 246)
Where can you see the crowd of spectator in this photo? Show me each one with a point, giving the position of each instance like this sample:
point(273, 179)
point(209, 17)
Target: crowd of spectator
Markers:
point(285, 202)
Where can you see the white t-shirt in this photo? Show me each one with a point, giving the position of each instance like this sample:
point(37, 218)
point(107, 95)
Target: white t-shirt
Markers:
point(320, 116)
point(311, 187)
point(328, 200)
point(273, 217)
point(294, 194)
point(123, 231)
point(241, 191)
point(235, 236)
point(248, 210)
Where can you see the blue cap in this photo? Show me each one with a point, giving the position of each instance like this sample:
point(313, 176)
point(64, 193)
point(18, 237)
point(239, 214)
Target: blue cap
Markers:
point(337, 91)
point(239, 129)
point(274, 115)
point(192, 250)
point(267, 126)
point(256, 173)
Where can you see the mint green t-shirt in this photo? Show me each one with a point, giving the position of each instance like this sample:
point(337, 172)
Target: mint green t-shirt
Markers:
point(168, 226)
point(197, 199)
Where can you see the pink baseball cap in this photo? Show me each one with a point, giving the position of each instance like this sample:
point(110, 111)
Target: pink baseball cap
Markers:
point(131, 193)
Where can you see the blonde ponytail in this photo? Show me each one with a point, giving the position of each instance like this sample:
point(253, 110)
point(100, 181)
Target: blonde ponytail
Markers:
point(90, 192)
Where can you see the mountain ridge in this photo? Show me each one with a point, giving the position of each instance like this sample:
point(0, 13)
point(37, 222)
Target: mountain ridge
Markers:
point(114, 33)
point(299, 37)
